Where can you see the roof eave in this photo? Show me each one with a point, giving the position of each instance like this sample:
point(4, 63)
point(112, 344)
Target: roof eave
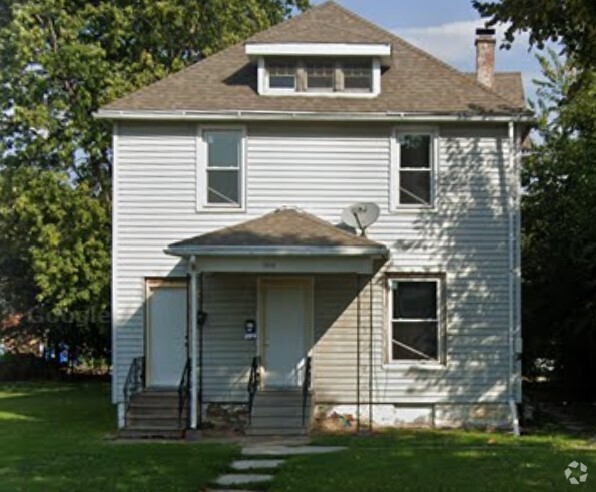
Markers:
point(248, 115)
point(379, 251)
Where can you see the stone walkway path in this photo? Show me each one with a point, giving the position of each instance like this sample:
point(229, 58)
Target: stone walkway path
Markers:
point(261, 462)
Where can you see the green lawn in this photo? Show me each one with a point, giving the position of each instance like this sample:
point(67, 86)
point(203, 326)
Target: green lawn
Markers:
point(440, 461)
point(52, 438)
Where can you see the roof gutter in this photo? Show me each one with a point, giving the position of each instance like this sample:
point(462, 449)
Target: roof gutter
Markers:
point(251, 115)
point(183, 251)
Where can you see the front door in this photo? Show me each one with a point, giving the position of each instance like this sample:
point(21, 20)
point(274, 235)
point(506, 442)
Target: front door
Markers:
point(166, 332)
point(287, 314)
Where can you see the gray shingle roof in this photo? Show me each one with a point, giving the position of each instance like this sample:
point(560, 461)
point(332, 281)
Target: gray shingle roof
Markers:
point(281, 228)
point(416, 82)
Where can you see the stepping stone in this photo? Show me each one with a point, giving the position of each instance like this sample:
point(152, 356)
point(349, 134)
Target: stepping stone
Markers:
point(289, 450)
point(256, 464)
point(242, 479)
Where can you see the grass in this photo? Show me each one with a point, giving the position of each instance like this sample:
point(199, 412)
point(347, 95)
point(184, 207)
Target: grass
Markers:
point(52, 438)
point(439, 461)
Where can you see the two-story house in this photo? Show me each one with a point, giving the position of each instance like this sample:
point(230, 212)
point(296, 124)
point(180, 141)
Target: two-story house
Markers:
point(237, 289)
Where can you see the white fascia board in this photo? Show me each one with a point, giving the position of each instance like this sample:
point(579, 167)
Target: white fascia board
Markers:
point(318, 49)
point(252, 115)
point(277, 251)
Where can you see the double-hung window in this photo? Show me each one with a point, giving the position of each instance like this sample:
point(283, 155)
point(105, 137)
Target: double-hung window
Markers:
point(223, 168)
point(282, 75)
point(320, 76)
point(415, 157)
point(415, 319)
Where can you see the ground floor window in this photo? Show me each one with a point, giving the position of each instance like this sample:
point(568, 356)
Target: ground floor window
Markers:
point(415, 319)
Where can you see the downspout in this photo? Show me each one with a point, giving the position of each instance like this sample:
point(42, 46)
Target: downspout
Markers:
point(193, 344)
point(512, 203)
point(358, 353)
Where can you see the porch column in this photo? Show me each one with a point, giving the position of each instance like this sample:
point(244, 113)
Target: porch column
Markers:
point(193, 345)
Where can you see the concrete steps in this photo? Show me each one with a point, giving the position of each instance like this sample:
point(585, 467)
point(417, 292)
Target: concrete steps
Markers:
point(279, 413)
point(153, 414)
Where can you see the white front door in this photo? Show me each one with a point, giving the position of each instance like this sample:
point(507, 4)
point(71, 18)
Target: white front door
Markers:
point(287, 312)
point(166, 333)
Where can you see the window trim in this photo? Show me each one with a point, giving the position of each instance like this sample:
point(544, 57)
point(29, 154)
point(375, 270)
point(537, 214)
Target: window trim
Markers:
point(440, 280)
point(394, 180)
point(201, 170)
point(264, 89)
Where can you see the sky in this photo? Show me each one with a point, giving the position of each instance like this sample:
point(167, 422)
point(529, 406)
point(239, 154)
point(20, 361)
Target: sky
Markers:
point(445, 29)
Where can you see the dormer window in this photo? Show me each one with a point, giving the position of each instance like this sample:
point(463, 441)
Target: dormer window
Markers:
point(319, 69)
point(319, 76)
point(281, 75)
point(357, 77)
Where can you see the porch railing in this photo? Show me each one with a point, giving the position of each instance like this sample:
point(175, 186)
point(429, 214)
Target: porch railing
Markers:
point(306, 387)
point(184, 394)
point(135, 380)
point(254, 381)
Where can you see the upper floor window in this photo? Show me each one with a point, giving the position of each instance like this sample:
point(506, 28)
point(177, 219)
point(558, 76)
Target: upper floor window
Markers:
point(282, 75)
point(415, 319)
point(320, 76)
point(414, 170)
point(357, 76)
point(222, 168)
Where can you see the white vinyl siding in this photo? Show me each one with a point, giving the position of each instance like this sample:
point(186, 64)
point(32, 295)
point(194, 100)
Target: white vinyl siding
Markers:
point(322, 169)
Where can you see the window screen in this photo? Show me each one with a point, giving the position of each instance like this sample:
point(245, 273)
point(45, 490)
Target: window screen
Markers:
point(357, 76)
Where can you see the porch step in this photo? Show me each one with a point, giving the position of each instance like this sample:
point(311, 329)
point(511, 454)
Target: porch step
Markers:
point(153, 414)
point(279, 413)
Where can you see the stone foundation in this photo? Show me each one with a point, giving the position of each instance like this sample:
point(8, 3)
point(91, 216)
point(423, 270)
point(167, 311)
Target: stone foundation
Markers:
point(226, 416)
point(343, 418)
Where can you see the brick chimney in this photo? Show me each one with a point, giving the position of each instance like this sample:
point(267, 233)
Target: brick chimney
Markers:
point(485, 56)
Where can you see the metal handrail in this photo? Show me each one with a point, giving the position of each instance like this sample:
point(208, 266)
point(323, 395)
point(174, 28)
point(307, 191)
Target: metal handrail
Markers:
point(254, 381)
point(184, 393)
point(135, 380)
point(306, 387)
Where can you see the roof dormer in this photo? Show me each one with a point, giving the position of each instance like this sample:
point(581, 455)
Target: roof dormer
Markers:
point(319, 69)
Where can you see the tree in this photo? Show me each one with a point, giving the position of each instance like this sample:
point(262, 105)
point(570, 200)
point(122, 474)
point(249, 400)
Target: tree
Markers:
point(61, 60)
point(559, 243)
point(55, 262)
point(572, 22)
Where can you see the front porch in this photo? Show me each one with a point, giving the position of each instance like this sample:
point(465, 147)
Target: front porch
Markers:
point(261, 298)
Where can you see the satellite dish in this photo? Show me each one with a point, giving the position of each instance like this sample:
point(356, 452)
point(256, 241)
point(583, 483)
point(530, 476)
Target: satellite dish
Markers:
point(361, 215)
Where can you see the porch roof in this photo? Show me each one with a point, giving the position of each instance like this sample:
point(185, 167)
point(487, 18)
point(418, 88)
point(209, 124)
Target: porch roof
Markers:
point(283, 232)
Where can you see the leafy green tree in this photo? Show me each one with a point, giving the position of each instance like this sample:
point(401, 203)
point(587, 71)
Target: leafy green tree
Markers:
point(572, 22)
point(55, 262)
point(61, 60)
point(559, 244)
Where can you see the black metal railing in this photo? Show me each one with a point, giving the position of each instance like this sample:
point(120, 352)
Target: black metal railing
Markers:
point(184, 394)
point(306, 387)
point(135, 380)
point(254, 381)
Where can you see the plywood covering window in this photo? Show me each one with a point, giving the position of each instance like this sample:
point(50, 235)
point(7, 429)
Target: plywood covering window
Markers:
point(221, 168)
point(415, 319)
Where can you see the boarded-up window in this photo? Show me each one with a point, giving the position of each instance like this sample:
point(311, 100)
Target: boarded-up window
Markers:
point(224, 157)
point(415, 169)
point(415, 319)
